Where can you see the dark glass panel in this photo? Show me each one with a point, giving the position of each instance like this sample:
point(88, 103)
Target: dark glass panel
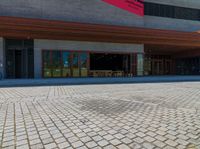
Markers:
point(56, 72)
point(47, 73)
point(47, 59)
point(75, 65)
point(56, 58)
point(161, 10)
point(66, 64)
point(84, 65)
point(56, 63)
point(47, 64)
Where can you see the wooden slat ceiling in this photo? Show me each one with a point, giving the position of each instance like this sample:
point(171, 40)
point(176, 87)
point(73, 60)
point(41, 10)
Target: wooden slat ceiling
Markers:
point(13, 27)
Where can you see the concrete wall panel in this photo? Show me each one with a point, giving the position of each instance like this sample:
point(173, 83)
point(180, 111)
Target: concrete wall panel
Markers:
point(90, 11)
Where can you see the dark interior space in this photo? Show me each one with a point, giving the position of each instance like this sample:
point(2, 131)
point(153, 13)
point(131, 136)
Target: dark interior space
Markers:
point(114, 62)
point(19, 58)
point(18, 63)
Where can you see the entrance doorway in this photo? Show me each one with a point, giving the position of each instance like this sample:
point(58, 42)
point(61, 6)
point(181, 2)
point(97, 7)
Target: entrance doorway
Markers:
point(112, 65)
point(158, 65)
point(19, 59)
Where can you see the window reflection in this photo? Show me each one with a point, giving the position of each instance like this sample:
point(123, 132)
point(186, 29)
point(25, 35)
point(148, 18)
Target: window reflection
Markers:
point(47, 64)
point(140, 64)
point(66, 60)
point(75, 64)
point(56, 63)
point(84, 66)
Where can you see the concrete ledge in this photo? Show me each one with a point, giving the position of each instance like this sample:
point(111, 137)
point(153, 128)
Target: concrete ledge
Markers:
point(79, 81)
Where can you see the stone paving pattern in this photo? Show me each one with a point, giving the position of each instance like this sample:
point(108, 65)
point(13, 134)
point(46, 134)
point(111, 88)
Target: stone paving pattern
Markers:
point(123, 116)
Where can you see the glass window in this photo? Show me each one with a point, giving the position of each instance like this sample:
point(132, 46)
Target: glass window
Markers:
point(154, 9)
point(56, 58)
point(84, 66)
point(46, 58)
point(66, 64)
point(140, 64)
point(47, 64)
point(56, 63)
point(75, 65)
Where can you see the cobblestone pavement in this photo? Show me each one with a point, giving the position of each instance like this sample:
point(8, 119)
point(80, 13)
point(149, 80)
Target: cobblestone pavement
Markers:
point(160, 115)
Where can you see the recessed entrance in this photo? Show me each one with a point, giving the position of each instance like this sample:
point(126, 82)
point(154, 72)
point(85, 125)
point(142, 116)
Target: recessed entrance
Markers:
point(110, 65)
point(171, 60)
point(19, 59)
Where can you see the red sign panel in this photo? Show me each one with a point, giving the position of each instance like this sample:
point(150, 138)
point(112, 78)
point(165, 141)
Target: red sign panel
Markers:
point(134, 6)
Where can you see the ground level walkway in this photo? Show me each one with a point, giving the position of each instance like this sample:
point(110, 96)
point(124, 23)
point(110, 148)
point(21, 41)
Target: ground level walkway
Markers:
point(121, 116)
point(78, 81)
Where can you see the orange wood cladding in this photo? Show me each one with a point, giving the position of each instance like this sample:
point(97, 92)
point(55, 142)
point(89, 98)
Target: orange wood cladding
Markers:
point(13, 27)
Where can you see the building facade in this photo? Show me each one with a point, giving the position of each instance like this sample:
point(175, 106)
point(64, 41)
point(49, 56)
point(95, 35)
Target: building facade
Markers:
point(91, 38)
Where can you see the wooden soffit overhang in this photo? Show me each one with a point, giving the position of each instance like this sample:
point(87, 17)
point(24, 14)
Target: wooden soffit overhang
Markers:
point(13, 27)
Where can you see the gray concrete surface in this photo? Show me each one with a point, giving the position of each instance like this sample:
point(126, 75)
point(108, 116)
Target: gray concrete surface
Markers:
point(95, 11)
point(125, 116)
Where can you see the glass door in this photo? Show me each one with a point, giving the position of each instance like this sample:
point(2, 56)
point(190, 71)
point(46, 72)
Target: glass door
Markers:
point(168, 65)
point(157, 67)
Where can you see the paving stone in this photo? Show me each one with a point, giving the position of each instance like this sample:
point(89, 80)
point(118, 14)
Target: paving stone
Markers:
point(77, 144)
point(103, 143)
point(115, 142)
point(123, 146)
point(182, 142)
point(51, 145)
point(108, 137)
point(126, 140)
point(110, 147)
point(164, 115)
point(149, 139)
point(160, 138)
point(159, 144)
point(171, 143)
point(140, 134)
point(22, 147)
point(60, 140)
point(63, 145)
point(91, 144)
point(37, 146)
point(148, 145)
point(97, 138)
point(152, 134)
point(119, 136)
point(138, 140)
point(47, 140)
point(73, 139)
point(82, 147)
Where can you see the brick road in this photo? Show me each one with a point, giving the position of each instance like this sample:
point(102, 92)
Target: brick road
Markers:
point(101, 116)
